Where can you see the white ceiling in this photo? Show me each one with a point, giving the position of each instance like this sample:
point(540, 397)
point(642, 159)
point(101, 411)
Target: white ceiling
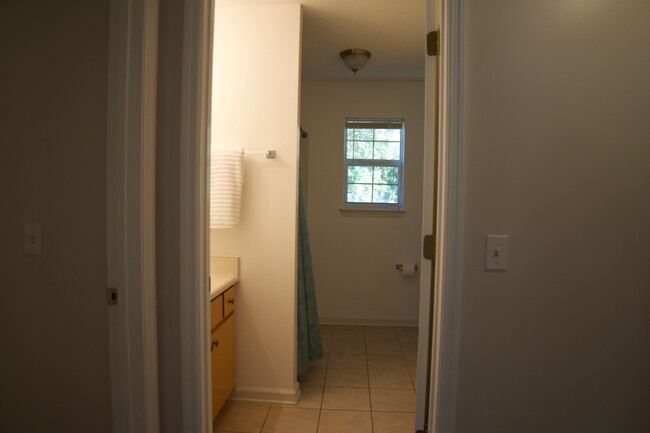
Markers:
point(392, 30)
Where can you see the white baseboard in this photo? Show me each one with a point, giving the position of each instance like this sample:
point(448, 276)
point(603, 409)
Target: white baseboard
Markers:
point(266, 395)
point(369, 322)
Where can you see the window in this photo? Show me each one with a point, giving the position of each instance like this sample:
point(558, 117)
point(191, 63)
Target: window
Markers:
point(374, 164)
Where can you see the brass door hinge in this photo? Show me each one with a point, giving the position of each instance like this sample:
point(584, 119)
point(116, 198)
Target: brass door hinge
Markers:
point(433, 43)
point(429, 247)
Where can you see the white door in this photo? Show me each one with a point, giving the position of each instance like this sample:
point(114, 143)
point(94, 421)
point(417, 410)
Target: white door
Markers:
point(428, 222)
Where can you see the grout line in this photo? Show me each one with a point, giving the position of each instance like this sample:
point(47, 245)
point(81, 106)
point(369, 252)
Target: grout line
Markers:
point(320, 406)
point(327, 367)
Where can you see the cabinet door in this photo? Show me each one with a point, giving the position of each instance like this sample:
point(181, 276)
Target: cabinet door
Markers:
point(228, 301)
point(216, 311)
point(223, 363)
point(216, 406)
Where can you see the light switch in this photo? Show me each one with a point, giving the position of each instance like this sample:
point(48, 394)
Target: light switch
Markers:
point(33, 240)
point(496, 252)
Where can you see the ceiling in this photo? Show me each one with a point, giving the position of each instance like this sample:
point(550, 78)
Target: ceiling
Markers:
point(392, 30)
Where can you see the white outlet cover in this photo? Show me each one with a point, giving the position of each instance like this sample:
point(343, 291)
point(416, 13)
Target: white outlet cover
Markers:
point(496, 252)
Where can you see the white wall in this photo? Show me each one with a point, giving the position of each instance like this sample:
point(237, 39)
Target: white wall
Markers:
point(54, 362)
point(255, 106)
point(355, 256)
point(557, 156)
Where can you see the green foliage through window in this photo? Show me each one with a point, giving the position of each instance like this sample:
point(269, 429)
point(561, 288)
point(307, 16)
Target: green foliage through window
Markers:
point(374, 163)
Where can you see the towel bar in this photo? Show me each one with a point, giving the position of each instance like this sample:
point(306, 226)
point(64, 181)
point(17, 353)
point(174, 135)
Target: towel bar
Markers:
point(268, 153)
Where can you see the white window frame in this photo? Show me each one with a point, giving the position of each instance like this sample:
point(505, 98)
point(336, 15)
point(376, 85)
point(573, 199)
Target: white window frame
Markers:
point(395, 207)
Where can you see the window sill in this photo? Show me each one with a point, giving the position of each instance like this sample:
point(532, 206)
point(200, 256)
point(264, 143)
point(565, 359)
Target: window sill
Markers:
point(389, 213)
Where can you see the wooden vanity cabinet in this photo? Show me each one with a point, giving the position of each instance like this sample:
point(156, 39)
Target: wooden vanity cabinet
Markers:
point(222, 317)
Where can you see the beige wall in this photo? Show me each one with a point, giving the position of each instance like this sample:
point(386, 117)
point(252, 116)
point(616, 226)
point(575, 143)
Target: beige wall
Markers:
point(355, 256)
point(54, 370)
point(255, 107)
point(557, 156)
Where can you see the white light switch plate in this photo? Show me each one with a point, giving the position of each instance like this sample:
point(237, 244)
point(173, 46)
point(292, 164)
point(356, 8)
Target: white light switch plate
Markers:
point(33, 240)
point(496, 252)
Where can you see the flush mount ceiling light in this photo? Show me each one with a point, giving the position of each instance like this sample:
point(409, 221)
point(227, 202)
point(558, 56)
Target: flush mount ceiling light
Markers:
point(355, 58)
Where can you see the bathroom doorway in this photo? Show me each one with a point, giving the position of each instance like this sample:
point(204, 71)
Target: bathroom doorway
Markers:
point(357, 254)
point(422, 264)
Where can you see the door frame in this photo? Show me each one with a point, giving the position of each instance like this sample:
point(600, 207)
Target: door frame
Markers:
point(196, 88)
point(130, 215)
point(444, 328)
point(440, 280)
point(445, 325)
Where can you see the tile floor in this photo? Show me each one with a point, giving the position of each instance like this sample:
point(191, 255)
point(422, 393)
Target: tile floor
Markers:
point(363, 384)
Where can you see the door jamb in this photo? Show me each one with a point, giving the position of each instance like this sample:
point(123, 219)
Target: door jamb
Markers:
point(196, 94)
point(130, 214)
point(445, 333)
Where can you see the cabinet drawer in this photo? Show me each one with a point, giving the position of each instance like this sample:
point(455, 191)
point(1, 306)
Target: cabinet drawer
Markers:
point(216, 311)
point(223, 363)
point(229, 301)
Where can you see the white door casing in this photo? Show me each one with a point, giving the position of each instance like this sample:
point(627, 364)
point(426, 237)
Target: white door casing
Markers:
point(445, 318)
point(194, 235)
point(133, 47)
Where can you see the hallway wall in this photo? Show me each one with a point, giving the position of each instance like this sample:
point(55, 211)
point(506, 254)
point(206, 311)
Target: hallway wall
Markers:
point(557, 156)
point(54, 362)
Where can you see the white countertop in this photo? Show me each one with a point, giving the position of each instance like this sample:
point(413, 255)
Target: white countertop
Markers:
point(219, 283)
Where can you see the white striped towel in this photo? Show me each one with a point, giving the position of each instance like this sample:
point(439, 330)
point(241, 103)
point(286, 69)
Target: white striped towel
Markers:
point(226, 182)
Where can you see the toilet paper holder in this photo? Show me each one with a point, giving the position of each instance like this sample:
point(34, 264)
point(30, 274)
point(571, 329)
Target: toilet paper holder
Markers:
point(400, 266)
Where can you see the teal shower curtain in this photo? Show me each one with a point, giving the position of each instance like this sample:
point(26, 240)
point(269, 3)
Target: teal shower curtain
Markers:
point(309, 342)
